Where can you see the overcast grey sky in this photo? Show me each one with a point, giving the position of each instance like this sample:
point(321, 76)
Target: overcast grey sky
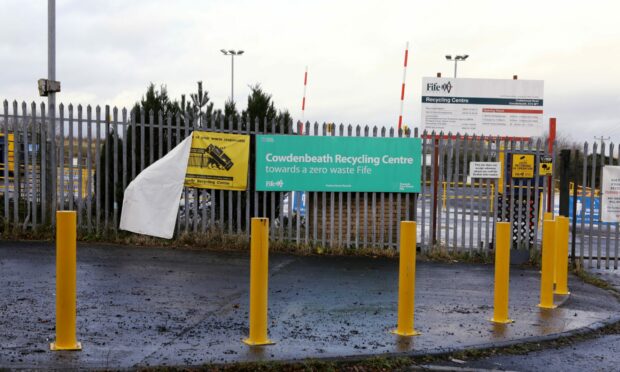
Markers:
point(108, 52)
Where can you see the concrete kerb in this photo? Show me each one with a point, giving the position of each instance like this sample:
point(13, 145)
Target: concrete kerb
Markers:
point(446, 352)
point(527, 340)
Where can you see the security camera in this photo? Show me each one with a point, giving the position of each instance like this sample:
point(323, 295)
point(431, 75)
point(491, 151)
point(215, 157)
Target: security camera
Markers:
point(48, 86)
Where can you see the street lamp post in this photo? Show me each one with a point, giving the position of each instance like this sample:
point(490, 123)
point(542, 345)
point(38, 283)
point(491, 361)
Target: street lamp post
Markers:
point(232, 54)
point(51, 179)
point(456, 59)
point(51, 48)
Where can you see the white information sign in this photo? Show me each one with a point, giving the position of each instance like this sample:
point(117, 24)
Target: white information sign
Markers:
point(485, 169)
point(610, 208)
point(488, 107)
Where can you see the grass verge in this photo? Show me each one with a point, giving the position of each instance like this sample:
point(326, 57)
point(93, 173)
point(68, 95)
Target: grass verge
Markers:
point(218, 239)
point(589, 278)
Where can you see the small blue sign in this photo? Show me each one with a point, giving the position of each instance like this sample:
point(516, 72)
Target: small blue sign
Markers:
point(299, 202)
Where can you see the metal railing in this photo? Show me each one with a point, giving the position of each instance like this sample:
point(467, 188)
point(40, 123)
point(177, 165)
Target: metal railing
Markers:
point(85, 157)
point(595, 242)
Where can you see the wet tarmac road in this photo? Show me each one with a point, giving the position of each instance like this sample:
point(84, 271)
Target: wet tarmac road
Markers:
point(599, 354)
point(151, 306)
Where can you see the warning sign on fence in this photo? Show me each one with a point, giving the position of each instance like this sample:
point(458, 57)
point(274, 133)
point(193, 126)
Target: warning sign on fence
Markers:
point(611, 194)
point(218, 161)
point(522, 166)
point(545, 165)
point(485, 169)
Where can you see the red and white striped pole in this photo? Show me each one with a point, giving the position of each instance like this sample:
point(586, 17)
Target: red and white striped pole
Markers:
point(303, 101)
point(402, 90)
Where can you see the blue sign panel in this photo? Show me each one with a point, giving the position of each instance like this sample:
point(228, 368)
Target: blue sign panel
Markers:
point(589, 206)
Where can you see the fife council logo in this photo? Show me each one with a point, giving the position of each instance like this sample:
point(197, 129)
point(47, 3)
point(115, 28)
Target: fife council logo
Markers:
point(435, 87)
point(278, 183)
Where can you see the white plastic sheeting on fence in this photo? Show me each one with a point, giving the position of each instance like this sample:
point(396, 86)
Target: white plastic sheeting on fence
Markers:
point(151, 200)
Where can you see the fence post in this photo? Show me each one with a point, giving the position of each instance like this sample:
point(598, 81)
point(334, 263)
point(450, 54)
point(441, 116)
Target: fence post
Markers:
point(259, 269)
point(575, 196)
point(552, 126)
point(502, 273)
point(564, 182)
point(406, 280)
point(444, 197)
point(435, 164)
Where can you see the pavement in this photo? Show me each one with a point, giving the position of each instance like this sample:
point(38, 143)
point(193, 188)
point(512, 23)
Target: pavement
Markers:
point(154, 306)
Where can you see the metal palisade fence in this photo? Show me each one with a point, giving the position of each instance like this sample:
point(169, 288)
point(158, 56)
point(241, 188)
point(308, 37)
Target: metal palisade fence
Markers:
point(594, 241)
point(82, 158)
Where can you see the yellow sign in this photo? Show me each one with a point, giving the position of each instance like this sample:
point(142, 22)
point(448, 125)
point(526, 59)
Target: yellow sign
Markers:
point(218, 161)
point(522, 165)
point(72, 181)
point(545, 165)
point(10, 145)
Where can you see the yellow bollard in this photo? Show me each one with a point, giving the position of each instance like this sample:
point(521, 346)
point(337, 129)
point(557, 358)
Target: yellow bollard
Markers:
point(556, 242)
point(546, 277)
point(406, 280)
point(561, 257)
point(502, 273)
point(259, 270)
point(549, 216)
point(65, 282)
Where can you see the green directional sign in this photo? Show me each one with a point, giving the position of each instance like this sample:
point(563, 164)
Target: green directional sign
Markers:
point(315, 163)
